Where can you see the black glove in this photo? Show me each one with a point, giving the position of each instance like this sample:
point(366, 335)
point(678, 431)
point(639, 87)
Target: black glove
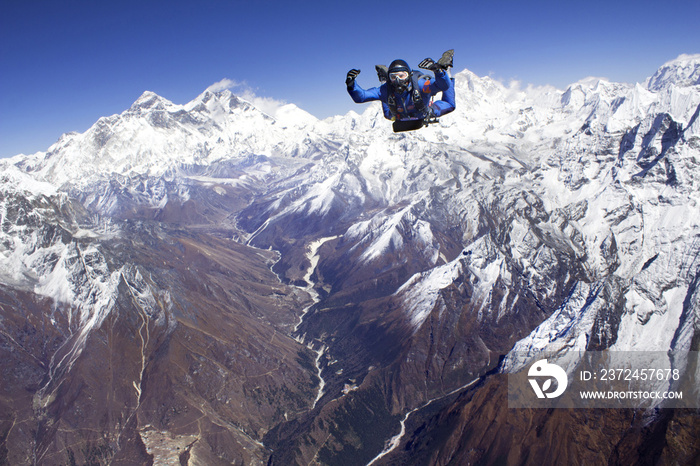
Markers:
point(350, 79)
point(429, 64)
point(443, 63)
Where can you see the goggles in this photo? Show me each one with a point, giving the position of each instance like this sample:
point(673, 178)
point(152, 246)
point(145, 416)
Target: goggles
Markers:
point(398, 76)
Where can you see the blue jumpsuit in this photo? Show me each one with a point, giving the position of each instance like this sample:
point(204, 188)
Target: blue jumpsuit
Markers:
point(405, 107)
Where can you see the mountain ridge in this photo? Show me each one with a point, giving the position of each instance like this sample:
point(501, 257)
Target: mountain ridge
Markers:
point(479, 89)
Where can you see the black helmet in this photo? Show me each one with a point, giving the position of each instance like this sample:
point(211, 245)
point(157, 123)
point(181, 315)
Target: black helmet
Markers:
point(399, 65)
point(400, 75)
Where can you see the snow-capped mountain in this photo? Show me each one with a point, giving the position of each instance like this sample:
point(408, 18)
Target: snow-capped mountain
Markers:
point(154, 136)
point(684, 71)
point(308, 289)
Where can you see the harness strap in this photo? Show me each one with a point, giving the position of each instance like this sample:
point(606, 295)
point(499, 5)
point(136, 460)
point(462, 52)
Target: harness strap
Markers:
point(416, 96)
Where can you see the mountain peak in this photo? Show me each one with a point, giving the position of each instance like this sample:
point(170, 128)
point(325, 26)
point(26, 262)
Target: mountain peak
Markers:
point(291, 115)
point(683, 71)
point(149, 100)
point(215, 102)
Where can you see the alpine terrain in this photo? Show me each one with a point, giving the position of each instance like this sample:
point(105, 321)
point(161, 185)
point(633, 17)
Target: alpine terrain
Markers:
point(209, 284)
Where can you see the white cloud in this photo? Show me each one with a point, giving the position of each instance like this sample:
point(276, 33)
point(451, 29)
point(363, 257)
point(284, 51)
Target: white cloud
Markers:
point(245, 92)
point(223, 85)
point(278, 109)
point(266, 104)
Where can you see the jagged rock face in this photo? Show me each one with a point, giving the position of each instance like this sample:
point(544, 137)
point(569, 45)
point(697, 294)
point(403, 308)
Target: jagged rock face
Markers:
point(172, 340)
point(478, 428)
point(209, 284)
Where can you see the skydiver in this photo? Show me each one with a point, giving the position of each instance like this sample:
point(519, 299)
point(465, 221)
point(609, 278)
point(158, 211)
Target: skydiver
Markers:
point(406, 95)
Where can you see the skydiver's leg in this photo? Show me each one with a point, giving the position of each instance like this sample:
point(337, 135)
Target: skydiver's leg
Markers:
point(447, 103)
point(442, 80)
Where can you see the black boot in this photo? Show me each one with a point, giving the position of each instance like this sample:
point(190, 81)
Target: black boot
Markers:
point(382, 73)
point(445, 61)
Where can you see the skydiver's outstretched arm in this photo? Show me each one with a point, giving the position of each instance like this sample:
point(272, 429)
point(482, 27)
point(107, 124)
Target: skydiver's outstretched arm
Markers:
point(358, 94)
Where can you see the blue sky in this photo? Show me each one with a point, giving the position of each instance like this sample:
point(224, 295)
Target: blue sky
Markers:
point(65, 63)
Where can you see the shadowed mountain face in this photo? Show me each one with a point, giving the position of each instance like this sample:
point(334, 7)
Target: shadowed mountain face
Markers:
point(208, 284)
point(190, 356)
